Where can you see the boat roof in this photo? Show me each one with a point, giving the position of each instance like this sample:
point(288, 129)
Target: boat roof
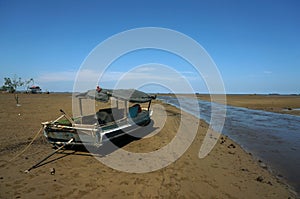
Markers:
point(34, 87)
point(131, 95)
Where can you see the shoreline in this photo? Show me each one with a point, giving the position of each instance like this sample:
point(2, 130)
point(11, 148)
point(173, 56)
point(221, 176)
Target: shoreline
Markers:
point(283, 170)
point(257, 159)
point(259, 163)
point(226, 172)
point(284, 104)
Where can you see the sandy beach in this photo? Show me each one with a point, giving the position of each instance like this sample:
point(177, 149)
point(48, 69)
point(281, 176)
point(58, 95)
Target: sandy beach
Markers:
point(286, 104)
point(227, 172)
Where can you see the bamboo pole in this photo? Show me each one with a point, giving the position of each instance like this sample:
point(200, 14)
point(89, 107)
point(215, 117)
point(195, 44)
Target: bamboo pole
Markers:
point(68, 117)
point(51, 154)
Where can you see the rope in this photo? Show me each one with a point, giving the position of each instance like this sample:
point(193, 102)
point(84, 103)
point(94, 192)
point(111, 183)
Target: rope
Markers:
point(36, 135)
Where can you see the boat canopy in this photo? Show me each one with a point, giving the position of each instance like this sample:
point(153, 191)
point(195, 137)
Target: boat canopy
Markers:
point(130, 95)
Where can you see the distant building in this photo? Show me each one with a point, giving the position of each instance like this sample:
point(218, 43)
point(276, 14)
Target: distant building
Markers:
point(35, 89)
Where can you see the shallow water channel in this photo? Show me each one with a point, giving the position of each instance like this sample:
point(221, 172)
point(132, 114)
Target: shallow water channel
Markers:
point(271, 137)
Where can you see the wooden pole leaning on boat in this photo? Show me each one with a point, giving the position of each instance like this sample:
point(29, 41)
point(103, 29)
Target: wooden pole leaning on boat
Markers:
point(48, 156)
point(68, 117)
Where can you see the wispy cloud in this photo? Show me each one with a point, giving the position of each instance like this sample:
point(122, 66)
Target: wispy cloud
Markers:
point(67, 76)
point(267, 72)
point(147, 73)
point(61, 76)
point(138, 77)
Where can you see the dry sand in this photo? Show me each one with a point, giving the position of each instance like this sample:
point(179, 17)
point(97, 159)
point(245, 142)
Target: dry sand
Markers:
point(227, 172)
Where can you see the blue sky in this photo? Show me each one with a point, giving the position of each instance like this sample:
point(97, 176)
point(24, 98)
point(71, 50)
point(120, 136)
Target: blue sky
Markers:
point(255, 44)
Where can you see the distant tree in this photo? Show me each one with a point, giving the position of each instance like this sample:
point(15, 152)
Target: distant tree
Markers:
point(7, 85)
point(11, 85)
point(27, 84)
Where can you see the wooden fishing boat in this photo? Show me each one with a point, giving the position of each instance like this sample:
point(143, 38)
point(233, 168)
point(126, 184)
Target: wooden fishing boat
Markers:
point(105, 124)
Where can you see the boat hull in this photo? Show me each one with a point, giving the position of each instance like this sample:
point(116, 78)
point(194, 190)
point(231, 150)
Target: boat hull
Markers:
point(58, 134)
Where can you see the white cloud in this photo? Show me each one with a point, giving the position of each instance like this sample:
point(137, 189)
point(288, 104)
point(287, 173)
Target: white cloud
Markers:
point(267, 72)
point(154, 74)
point(67, 76)
point(137, 77)
point(61, 76)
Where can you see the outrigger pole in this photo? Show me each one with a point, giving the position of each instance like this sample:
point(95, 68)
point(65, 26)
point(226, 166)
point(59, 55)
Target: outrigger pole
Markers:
point(51, 154)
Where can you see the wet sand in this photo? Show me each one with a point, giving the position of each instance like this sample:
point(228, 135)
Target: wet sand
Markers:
point(227, 172)
point(286, 104)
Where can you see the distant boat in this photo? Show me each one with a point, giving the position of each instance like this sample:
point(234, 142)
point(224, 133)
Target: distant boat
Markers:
point(35, 89)
point(106, 123)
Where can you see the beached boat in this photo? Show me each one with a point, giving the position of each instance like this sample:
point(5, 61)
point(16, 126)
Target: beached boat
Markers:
point(106, 123)
point(35, 89)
